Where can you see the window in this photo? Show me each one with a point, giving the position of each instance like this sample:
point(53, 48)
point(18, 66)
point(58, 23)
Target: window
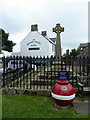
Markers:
point(34, 49)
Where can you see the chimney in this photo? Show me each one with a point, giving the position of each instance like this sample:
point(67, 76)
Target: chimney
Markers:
point(44, 33)
point(34, 27)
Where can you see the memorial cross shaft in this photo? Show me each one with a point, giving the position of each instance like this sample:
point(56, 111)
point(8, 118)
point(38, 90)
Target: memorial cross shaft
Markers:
point(58, 29)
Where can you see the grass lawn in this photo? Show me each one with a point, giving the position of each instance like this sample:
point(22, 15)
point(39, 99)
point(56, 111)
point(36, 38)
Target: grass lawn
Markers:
point(22, 106)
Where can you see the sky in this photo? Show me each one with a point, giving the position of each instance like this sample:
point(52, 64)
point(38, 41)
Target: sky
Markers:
point(17, 16)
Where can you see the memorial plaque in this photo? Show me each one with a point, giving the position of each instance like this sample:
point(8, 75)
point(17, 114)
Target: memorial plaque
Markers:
point(63, 75)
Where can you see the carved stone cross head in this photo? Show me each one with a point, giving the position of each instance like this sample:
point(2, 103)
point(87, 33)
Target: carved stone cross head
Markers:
point(58, 29)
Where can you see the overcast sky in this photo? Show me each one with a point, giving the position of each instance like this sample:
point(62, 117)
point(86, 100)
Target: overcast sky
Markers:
point(18, 16)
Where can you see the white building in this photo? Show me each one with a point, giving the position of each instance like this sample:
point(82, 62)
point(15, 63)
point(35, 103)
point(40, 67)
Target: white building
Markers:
point(36, 44)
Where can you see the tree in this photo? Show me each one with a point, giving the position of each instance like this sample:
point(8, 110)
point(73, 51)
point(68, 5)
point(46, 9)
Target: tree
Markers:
point(73, 53)
point(7, 45)
point(67, 54)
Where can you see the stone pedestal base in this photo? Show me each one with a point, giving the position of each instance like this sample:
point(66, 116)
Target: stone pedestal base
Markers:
point(61, 106)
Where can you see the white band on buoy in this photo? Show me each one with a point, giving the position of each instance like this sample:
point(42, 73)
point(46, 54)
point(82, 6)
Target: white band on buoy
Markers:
point(60, 97)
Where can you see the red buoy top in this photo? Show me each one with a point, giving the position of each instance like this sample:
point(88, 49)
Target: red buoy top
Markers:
point(64, 82)
point(60, 84)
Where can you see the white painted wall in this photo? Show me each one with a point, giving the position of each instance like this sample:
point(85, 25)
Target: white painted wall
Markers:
point(36, 40)
point(16, 54)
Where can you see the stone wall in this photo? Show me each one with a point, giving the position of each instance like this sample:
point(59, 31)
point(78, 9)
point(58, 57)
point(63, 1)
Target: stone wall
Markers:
point(18, 91)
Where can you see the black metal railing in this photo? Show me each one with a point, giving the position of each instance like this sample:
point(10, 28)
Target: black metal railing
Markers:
point(41, 73)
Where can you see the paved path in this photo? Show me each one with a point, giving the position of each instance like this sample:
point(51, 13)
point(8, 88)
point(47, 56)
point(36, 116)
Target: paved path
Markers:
point(81, 106)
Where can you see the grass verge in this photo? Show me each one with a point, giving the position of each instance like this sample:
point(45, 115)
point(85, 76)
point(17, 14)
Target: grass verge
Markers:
point(22, 106)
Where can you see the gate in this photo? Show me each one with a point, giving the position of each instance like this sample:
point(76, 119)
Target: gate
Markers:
point(41, 73)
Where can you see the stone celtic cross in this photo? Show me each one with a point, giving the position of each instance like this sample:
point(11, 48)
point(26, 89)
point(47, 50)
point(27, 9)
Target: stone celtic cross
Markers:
point(58, 29)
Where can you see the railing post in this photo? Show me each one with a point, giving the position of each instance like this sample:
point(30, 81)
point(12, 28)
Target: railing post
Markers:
point(3, 74)
point(26, 67)
point(51, 59)
point(20, 58)
point(23, 83)
point(88, 66)
point(72, 66)
point(30, 71)
point(47, 59)
point(44, 71)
